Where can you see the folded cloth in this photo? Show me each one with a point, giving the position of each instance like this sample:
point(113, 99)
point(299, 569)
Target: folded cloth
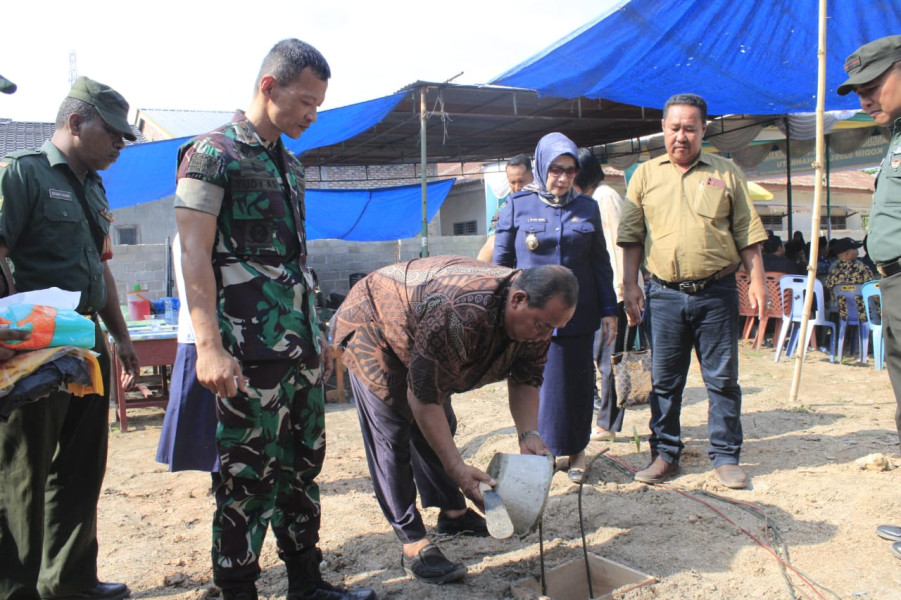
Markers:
point(29, 376)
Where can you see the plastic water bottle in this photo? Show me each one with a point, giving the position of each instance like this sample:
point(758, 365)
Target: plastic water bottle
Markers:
point(171, 315)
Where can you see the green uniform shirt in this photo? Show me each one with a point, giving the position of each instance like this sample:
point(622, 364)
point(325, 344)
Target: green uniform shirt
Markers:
point(691, 224)
point(265, 307)
point(42, 223)
point(884, 237)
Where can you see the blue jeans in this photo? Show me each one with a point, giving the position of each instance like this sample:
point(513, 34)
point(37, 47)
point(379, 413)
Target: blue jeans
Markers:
point(708, 323)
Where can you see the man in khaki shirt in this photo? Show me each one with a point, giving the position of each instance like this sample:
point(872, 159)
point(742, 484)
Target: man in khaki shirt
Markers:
point(688, 213)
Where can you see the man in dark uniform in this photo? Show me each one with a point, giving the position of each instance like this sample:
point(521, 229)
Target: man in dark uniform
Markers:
point(54, 227)
point(874, 74)
point(240, 200)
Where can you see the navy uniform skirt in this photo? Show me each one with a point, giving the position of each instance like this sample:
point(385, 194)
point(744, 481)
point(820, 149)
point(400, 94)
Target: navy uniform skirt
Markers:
point(567, 394)
point(188, 438)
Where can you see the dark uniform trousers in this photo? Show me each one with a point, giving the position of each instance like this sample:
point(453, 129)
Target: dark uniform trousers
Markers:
point(52, 462)
point(890, 287)
point(402, 461)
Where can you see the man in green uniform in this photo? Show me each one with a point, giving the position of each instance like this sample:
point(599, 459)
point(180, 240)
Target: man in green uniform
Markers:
point(240, 200)
point(54, 227)
point(874, 74)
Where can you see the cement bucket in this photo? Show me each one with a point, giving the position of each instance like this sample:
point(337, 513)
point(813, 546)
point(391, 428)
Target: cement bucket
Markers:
point(523, 483)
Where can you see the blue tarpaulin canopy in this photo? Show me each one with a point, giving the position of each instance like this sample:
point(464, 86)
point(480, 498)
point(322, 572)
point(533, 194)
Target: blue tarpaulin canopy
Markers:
point(371, 215)
point(146, 172)
point(743, 57)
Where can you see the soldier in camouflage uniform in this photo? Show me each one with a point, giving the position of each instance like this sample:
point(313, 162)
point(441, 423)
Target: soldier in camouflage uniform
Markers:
point(240, 200)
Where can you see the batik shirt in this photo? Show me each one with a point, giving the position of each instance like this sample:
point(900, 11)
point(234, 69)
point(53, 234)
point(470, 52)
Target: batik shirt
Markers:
point(853, 272)
point(434, 326)
point(264, 302)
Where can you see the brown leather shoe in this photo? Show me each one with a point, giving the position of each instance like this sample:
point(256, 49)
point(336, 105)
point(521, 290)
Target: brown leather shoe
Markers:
point(657, 471)
point(732, 476)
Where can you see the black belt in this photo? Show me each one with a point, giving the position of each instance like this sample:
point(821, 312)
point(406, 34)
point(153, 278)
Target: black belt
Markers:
point(889, 268)
point(697, 285)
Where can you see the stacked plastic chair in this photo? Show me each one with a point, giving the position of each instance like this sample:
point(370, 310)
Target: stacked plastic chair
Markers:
point(872, 300)
point(793, 288)
point(774, 311)
point(850, 292)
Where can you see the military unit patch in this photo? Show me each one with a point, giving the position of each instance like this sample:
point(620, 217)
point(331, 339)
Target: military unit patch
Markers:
point(204, 165)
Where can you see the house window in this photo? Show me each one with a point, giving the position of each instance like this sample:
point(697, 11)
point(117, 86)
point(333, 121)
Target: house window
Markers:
point(465, 228)
point(127, 235)
point(771, 221)
point(834, 222)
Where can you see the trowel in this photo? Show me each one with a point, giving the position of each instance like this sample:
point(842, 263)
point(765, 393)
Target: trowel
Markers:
point(496, 517)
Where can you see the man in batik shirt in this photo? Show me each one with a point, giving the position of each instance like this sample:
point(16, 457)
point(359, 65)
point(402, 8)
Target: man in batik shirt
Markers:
point(417, 332)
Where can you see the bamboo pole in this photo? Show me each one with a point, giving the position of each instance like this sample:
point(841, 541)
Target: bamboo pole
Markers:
point(815, 209)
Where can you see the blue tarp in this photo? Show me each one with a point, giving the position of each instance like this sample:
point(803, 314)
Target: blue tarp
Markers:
point(372, 215)
point(743, 57)
point(146, 172)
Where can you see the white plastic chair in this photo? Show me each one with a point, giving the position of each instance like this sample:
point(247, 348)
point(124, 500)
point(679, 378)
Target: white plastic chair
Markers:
point(796, 285)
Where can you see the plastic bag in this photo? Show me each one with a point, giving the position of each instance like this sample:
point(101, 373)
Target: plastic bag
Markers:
point(49, 327)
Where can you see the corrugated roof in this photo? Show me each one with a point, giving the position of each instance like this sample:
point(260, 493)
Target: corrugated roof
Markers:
point(25, 135)
point(842, 180)
point(181, 123)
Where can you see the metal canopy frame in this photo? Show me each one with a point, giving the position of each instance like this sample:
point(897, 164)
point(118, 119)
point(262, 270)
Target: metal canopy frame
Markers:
point(472, 123)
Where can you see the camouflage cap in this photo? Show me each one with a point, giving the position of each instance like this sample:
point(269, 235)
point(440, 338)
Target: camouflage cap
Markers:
point(870, 61)
point(108, 102)
point(6, 86)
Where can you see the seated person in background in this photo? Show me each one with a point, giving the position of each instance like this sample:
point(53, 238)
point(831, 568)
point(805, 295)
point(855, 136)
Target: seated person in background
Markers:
point(774, 259)
point(824, 256)
point(796, 249)
point(848, 269)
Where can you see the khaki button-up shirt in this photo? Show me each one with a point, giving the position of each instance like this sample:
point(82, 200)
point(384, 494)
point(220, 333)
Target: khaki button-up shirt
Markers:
point(692, 224)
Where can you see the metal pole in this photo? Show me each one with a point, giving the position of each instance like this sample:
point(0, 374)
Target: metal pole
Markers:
point(424, 252)
point(788, 175)
point(815, 209)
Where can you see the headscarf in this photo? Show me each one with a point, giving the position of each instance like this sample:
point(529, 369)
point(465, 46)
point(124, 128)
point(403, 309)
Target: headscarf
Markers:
point(550, 147)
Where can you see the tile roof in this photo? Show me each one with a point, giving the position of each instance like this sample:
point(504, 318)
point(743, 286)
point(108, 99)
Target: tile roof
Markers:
point(25, 135)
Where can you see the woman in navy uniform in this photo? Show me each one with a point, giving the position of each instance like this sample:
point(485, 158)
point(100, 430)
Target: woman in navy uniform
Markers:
point(549, 223)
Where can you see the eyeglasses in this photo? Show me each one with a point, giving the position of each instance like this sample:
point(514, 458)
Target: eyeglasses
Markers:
point(558, 170)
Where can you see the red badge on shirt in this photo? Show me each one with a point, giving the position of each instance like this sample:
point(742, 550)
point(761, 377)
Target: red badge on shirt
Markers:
point(714, 182)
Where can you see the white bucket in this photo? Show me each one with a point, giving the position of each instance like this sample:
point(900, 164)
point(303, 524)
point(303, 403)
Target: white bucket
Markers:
point(523, 483)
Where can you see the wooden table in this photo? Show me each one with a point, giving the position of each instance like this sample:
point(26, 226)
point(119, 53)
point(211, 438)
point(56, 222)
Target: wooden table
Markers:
point(154, 349)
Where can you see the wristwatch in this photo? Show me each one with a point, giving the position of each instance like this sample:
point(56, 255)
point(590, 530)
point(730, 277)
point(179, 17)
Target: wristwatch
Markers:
point(527, 433)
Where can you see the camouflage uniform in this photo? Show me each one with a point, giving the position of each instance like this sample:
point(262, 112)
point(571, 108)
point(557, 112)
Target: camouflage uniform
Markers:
point(271, 440)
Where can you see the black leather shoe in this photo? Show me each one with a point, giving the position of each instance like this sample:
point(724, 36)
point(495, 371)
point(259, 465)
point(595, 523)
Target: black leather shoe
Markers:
point(430, 565)
point(889, 532)
point(469, 523)
point(101, 591)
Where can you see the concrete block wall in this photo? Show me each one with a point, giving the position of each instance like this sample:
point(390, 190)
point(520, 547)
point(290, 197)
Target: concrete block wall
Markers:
point(144, 264)
point(334, 261)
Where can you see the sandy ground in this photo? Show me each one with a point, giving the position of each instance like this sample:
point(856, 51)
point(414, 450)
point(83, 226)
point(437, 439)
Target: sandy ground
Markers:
point(803, 458)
